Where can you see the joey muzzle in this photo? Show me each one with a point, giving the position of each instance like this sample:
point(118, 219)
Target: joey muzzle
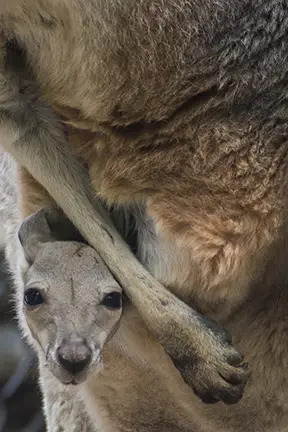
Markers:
point(74, 355)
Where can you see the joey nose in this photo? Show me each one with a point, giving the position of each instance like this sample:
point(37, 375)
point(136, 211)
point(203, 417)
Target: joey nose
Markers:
point(74, 358)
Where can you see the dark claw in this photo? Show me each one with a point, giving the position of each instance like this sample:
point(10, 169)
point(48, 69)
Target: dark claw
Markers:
point(233, 396)
point(235, 360)
point(207, 398)
point(233, 379)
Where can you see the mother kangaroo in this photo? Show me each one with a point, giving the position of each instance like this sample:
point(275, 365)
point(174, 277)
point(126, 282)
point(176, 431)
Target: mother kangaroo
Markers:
point(178, 111)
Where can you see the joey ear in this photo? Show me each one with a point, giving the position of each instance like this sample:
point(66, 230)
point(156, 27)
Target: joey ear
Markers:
point(34, 232)
point(46, 225)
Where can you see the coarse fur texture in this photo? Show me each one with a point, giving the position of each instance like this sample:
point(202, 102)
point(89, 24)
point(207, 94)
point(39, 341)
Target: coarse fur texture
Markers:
point(62, 270)
point(183, 108)
point(31, 131)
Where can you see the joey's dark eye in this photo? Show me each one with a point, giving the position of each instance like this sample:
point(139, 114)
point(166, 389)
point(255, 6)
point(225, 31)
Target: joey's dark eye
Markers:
point(112, 300)
point(33, 297)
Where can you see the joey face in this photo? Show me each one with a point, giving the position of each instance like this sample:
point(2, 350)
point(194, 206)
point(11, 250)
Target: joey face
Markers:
point(72, 306)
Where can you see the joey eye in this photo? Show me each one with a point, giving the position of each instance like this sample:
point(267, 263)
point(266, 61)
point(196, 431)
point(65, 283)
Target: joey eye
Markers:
point(112, 300)
point(33, 297)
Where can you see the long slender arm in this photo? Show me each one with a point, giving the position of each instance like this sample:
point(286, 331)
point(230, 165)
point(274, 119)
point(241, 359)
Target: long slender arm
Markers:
point(32, 133)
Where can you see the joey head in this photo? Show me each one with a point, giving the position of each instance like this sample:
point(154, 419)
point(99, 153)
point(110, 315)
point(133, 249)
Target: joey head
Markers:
point(72, 305)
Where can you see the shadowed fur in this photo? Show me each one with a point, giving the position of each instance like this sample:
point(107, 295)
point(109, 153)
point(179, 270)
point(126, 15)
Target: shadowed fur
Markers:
point(29, 127)
point(184, 114)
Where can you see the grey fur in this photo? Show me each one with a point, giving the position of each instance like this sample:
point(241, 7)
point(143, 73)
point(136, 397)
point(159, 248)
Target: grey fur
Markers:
point(64, 410)
point(32, 133)
point(203, 85)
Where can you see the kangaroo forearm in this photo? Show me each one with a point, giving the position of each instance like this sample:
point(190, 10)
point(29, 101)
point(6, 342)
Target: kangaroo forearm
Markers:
point(52, 165)
point(32, 133)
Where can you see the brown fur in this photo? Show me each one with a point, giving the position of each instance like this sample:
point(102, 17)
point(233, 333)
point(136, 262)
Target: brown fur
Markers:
point(170, 131)
point(33, 195)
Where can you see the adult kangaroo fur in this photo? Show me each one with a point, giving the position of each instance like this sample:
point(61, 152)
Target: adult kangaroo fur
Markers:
point(179, 108)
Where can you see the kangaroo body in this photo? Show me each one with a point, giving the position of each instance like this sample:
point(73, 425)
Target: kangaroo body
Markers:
point(180, 108)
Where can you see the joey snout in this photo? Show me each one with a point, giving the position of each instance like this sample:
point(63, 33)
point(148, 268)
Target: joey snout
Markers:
point(74, 355)
point(73, 359)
